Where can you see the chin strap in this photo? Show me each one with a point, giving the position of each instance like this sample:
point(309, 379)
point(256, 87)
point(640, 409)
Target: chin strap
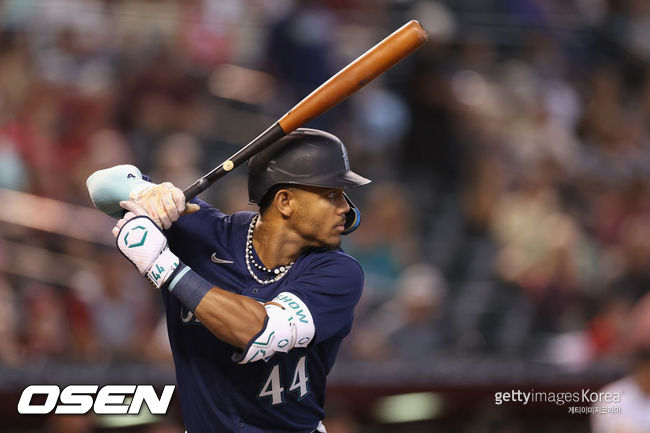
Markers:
point(352, 217)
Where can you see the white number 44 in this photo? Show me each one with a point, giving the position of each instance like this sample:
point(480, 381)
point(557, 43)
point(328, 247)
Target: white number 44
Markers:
point(273, 387)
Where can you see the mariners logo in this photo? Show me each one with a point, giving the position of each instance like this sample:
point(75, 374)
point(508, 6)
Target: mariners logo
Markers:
point(187, 317)
point(138, 235)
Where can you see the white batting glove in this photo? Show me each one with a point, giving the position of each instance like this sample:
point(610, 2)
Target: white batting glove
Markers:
point(145, 245)
point(164, 203)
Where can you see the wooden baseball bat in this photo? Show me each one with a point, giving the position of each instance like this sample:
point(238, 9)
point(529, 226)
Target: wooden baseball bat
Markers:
point(354, 76)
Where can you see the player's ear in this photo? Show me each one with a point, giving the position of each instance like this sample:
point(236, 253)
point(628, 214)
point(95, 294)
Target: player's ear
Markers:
point(284, 201)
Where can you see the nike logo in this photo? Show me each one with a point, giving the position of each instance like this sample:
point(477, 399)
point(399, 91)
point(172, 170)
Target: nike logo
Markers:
point(216, 259)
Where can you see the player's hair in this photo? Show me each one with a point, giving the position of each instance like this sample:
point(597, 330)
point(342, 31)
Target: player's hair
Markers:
point(268, 197)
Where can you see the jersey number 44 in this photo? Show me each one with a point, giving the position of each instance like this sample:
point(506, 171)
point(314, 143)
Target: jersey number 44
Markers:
point(273, 386)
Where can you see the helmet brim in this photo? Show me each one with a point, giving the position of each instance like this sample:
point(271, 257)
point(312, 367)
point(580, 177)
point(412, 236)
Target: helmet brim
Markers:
point(346, 180)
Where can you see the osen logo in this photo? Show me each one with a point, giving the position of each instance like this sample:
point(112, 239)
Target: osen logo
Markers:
point(80, 399)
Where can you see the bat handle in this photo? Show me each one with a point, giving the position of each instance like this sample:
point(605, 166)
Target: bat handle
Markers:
point(196, 188)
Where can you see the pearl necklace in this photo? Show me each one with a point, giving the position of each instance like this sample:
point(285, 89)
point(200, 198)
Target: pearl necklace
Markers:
point(279, 271)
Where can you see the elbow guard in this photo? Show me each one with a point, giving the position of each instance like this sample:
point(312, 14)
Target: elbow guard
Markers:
point(288, 324)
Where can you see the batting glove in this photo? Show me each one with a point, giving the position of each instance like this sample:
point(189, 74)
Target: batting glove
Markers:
point(145, 245)
point(164, 203)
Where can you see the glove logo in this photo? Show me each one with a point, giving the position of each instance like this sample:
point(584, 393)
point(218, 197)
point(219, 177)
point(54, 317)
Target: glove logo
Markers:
point(141, 236)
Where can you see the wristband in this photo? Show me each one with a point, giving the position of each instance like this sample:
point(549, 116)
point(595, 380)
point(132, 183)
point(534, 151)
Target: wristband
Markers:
point(162, 268)
point(189, 287)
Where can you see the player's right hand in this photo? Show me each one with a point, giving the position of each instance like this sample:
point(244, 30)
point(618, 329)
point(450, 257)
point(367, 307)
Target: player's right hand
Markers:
point(164, 203)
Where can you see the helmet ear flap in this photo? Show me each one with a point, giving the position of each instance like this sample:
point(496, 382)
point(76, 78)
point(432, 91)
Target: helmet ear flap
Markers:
point(352, 217)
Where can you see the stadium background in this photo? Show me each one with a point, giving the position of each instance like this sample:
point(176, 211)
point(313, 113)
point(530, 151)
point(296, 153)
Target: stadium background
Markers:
point(504, 241)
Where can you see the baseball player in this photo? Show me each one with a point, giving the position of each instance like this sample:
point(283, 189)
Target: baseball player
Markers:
point(257, 304)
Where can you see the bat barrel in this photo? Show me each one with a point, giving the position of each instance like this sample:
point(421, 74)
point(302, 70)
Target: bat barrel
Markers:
point(357, 74)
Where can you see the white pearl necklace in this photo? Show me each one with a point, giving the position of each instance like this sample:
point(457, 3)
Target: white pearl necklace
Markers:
point(279, 271)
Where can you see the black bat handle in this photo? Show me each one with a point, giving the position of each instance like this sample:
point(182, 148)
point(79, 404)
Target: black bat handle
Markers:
point(264, 140)
point(196, 188)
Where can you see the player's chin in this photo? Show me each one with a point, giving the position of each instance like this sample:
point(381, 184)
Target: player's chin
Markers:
point(330, 242)
point(333, 242)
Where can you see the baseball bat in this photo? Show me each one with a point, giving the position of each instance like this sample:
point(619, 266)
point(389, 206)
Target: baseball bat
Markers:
point(348, 80)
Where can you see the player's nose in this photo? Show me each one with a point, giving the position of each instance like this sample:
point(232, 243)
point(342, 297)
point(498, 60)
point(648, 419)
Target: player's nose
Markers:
point(342, 205)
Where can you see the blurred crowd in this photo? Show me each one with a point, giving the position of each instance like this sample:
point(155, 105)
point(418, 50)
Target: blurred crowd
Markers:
point(522, 184)
point(510, 158)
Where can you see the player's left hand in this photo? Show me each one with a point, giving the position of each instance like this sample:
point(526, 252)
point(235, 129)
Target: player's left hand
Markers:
point(164, 203)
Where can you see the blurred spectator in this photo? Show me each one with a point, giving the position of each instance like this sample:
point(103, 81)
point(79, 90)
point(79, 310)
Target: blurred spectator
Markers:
point(408, 326)
point(13, 173)
point(177, 160)
point(533, 136)
point(431, 152)
point(10, 350)
point(156, 349)
point(44, 327)
point(544, 249)
point(483, 191)
point(385, 242)
point(633, 407)
point(121, 309)
point(609, 330)
point(633, 253)
point(104, 148)
point(305, 32)
point(382, 119)
point(155, 102)
point(208, 31)
point(638, 326)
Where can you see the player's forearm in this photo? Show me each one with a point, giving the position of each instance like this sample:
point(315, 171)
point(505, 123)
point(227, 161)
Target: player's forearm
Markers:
point(235, 319)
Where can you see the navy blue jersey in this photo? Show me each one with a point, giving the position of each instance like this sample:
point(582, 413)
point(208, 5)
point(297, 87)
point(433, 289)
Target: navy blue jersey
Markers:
point(285, 393)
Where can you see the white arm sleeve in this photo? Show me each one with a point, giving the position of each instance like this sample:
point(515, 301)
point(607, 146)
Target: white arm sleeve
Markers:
point(289, 324)
point(110, 186)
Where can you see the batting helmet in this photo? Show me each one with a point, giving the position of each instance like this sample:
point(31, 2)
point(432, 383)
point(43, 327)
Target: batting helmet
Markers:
point(305, 157)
